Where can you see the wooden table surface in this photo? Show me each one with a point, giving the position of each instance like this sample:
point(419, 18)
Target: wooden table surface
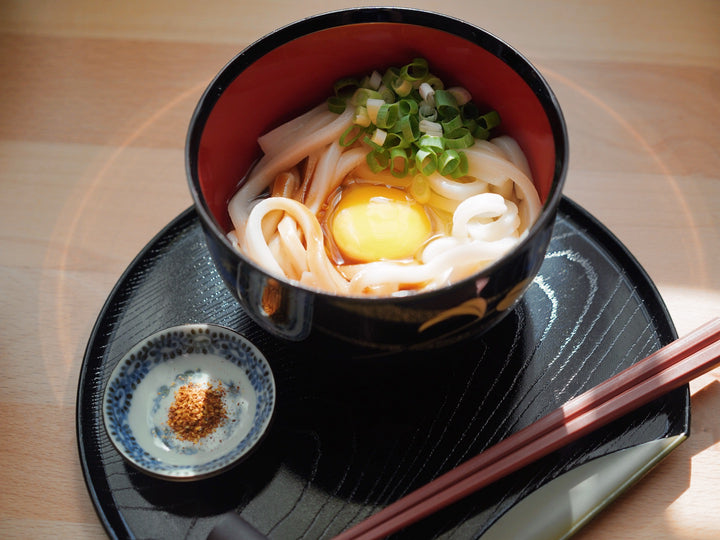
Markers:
point(95, 100)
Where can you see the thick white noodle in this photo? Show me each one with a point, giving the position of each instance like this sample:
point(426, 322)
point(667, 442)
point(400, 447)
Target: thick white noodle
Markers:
point(438, 246)
point(285, 185)
point(490, 146)
point(349, 161)
point(269, 166)
point(470, 219)
point(443, 203)
point(452, 264)
point(276, 140)
point(325, 274)
point(513, 153)
point(506, 225)
point(495, 170)
point(324, 177)
point(290, 239)
point(454, 189)
point(505, 189)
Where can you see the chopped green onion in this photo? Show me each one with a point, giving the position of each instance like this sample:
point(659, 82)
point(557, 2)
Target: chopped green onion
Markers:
point(361, 96)
point(489, 120)
point(377, 160)
point(362, 118)
point(398, 162)
point(336, 104)
point(390, 75)
point(410, 122)
point(448, 162)
point(351, 134)
point(345, 87)
point(372, 144)
point(427, 93)
point(460, 138)
point(407, 106)
point(379, 137)
point(420, 188)
point(375, 80)
point(415, 70)
point(432, 142)
point(452, 124)
point(481, 133)
point(409, 126)
point(373, 107)
point(427, 112)
point(387, 115)
point(433, 81)
point(393, 140)
point(387, 95)
point(402, 87)
point(445, 104)
point(462, 168)
point(426, 161)
point(432, 128)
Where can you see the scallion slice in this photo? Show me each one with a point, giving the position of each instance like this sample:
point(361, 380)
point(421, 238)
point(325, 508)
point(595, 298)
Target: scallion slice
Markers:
point(361, 96)
point(407, 106)
point(420, 188)
point(409, 126)
point(452, 124)
point(426, 161)
point(427, 112)
point(351, 134)
point(460, 138)
point(375, 80)
point(402, 87)
point(445, 104)
point(362, 118)
point(336, 104)
point(377, 160)
point(429, 127)
point(398, 162)
point(416, 70)
point(345, 87)
point(432, 142)
point(387, 115)
point(489, 120)
point(448, 162)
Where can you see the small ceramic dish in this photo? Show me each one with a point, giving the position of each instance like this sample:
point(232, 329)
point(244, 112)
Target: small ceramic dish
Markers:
point(189, 402)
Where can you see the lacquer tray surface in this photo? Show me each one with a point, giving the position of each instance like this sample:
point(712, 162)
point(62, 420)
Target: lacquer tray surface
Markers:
point(355, 429)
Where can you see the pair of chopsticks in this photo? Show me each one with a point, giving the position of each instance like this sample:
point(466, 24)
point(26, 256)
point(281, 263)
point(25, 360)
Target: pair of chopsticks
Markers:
point(673, 366)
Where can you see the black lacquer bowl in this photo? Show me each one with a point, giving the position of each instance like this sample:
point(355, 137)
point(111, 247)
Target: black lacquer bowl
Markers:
point(355, 429)
point(293, 69)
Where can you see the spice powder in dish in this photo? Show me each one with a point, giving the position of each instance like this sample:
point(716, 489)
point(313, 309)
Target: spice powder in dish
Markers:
point(197, 410)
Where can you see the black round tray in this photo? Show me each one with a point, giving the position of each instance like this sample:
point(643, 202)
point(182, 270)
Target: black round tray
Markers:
point(355, 429)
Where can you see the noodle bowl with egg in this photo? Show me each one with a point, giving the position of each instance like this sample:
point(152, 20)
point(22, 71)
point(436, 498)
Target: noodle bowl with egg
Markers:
point(346, 201)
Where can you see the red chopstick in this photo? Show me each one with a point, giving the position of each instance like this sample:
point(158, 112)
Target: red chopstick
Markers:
point(672, 366)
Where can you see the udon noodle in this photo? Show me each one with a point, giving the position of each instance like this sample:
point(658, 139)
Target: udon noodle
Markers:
point(463, 206)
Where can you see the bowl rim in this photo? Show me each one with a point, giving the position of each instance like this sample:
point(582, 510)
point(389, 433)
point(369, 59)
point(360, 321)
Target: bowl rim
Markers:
point(519, 63)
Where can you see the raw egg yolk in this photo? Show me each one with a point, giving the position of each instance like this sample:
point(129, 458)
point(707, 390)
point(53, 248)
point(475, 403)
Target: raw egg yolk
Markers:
point(373, 223)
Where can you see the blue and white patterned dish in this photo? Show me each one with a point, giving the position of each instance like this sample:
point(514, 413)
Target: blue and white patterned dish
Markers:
point(142, 388)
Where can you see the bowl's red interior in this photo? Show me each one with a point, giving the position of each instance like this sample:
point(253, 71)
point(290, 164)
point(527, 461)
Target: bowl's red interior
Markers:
point(299, 74)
